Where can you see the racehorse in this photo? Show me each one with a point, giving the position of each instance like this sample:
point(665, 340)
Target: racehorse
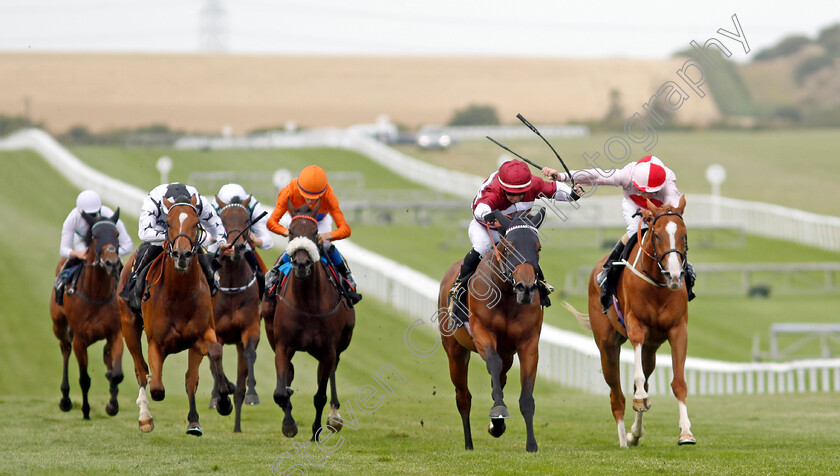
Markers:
point(652, 307)
point(310, 315)
point(178, 315)
point(505, 319)
point(89, 313)
point(237, 308)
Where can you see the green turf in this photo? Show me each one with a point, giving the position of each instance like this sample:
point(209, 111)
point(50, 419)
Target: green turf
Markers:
point(416, 431)
point(794, 168)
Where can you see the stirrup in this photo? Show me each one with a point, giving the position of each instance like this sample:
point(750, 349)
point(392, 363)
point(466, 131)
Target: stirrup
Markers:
point(453, 291)
point(547, 286)
point(601, 278)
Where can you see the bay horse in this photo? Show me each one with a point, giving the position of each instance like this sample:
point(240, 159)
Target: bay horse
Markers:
point(653, 307)
point(310, 315)
point(505, 319)
point(177, 316)
point(90, 314)
point(237, 308)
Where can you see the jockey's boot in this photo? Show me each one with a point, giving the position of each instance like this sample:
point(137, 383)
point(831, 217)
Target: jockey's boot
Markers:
point(138, 291)
point(544, 288)
point(251, 258)
point(64, 278)
point(59, 286)
point(209, 264)
point(607, 275)
point(690, 277)
point(468, 267)
point(349, 283)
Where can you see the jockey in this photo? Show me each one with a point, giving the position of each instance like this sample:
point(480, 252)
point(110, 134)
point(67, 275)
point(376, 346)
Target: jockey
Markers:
point(153, 234)
point(647, 179)
point(73, 234)
point(308, 187)
point(511, 189)
point(259, 236)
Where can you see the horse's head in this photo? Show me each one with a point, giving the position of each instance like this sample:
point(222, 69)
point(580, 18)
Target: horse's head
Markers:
point(236, 217)
point(103, 242)
point(668, 239)
point(521, 252)
point(303, 238)
point(183, 237)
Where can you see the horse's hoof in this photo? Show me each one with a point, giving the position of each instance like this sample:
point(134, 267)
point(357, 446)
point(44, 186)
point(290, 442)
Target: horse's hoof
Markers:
point(290, 428)
point(112, 408)
point(336, 423)
point(252, 399)
point(499, 411)
point(290, 390)
point(687, 439)
point(497, 427)
point(213, 403)
point(224, 406)
point(65, 404)
point(531, 447)
point(632, 440)
point(642, 405)
point(194, 429)
point(146, 426)
point(158, 394)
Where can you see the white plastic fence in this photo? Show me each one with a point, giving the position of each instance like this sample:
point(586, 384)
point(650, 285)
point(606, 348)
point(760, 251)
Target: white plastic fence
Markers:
point(569, 358)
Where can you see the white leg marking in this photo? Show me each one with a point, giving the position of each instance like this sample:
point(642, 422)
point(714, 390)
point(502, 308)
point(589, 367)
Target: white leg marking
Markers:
point(143, 403)
point(638, 374)
point(622, 434)
point(685, 425)
point(636, 430)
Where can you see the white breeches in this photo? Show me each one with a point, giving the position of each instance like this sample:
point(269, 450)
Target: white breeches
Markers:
point(480, 238)
point(628, 208)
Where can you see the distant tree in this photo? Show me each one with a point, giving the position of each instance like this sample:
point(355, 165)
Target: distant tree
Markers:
point(788, 46)
point(9, 124)
point(475, 115)
point(811, 65)
point(829, 38)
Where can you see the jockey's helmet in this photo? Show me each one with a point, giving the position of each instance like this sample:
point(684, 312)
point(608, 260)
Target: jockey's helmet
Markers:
point(312, 182)
point(88, 202)
point(514, 176)
point(649, 174)
point(176, 190)
point(230, 191)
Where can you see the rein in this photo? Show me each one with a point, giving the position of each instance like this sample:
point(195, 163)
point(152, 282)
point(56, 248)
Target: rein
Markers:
point(281, 297)
point(87, 299)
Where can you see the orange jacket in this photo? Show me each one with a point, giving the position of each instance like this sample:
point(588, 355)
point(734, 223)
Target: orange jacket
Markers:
point(329, 204)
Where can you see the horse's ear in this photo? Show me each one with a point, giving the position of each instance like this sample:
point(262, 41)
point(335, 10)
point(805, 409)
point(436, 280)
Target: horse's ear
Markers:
point(194, 200)
point(292, 209)
point(220, 203)
point(650, 205)
point(537, 220)
point(502, 219)
point(167, 202)
point(115, 217)
point(681, 207)
point(89, 219)
point(316, 206)
point(247, 201)
point(647, 216)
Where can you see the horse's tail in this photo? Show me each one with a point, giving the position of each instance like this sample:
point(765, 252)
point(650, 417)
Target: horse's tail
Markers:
point(583, 319)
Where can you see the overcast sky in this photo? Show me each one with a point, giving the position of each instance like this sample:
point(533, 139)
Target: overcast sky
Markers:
point(554, 28)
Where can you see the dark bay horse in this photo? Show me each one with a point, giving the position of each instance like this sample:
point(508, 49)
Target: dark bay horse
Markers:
point(237, 308)
point(310, 316)
point(90, 313)
point(654, 308)
point(177, 316)
point(505, 317)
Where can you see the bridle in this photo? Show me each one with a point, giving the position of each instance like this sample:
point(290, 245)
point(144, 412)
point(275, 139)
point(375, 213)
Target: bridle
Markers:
point(246, 233)
point(195, 244)
point(504, 259)
point(655, 255)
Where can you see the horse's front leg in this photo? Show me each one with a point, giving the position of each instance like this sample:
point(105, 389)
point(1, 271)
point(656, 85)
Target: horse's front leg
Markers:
point(648, 365)
point(239, 394)
point(678, 338)
point(486, 345)
point(210, 346)
point(191, 380)
point(112, 355)
point(637, 336)
point(283, 391)
point(65, 340)
point(156, 358)
point(80, 349)
point(326, 367)
point(528, 357)
point(334, 420)
point(251, 339)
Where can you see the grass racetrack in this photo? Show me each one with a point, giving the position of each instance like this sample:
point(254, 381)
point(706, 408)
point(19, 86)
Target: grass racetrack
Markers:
point(415, 431)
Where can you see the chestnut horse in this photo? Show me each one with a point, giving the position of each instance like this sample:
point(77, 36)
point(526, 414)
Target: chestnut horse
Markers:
point(653, 307)
point(309, 315)
point(505, 318)
point(178, 315)
point(237, 309)
point(90, 313)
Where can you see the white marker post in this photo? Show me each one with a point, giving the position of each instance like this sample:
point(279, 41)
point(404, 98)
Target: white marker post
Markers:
point(715, 174)
point(164, 166)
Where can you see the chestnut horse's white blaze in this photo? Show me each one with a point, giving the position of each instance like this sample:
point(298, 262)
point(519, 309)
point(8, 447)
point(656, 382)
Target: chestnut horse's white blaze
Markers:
point(675, 266)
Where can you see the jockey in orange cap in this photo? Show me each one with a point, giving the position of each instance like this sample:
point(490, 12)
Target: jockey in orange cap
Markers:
point(647, 179)
point(307, 188)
